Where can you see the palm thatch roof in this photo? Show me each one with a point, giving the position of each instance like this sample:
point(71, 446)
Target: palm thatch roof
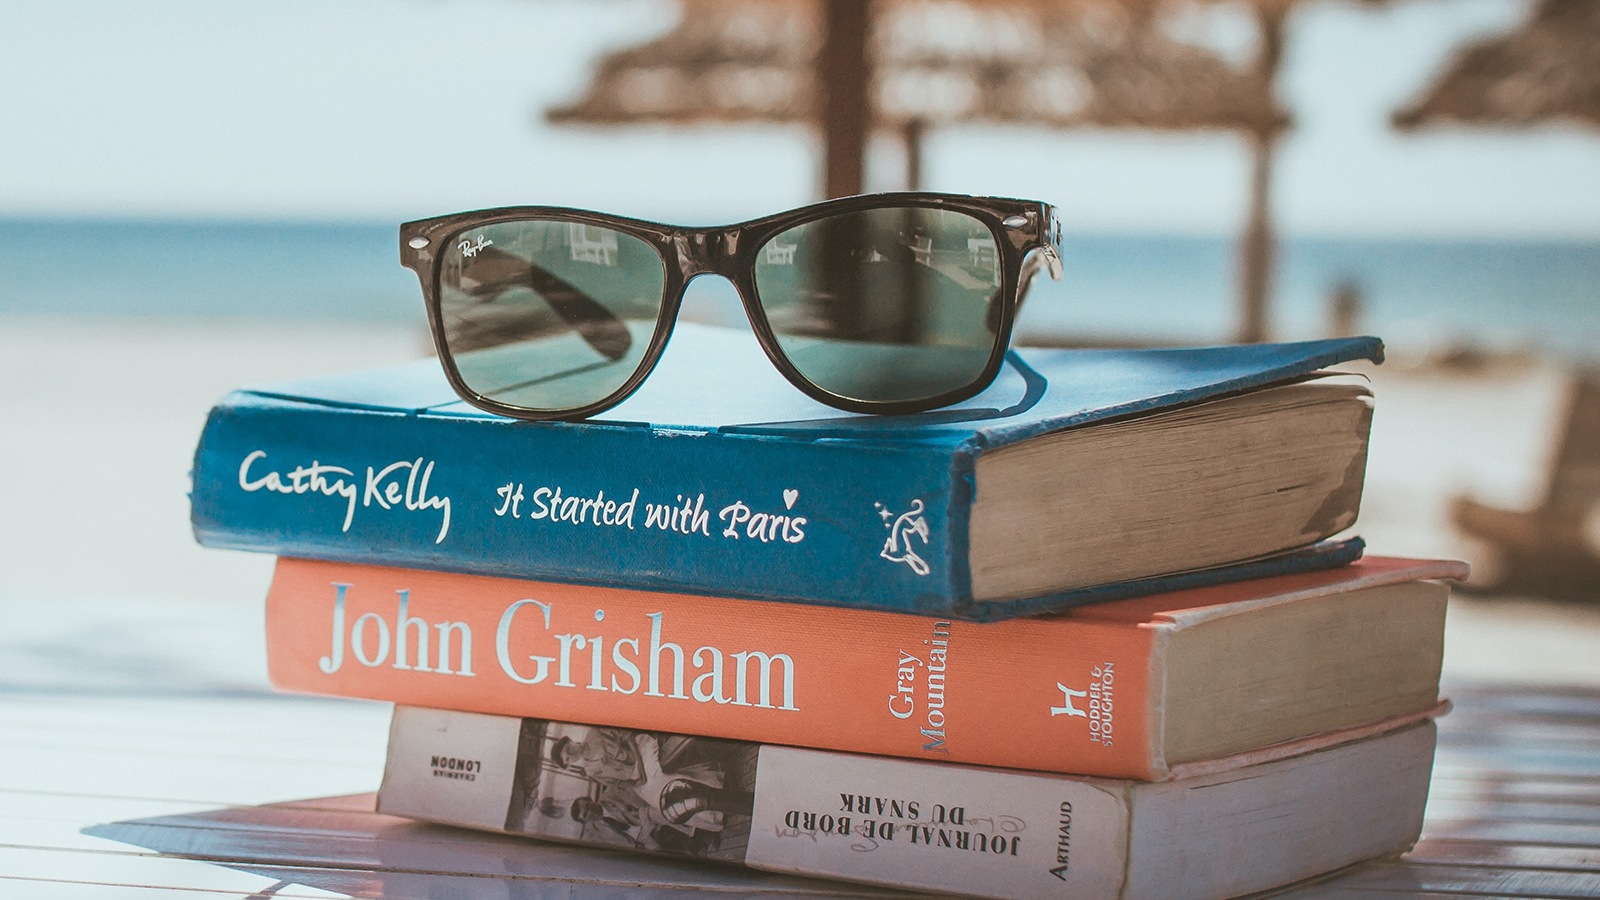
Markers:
point(1057, 64)
point(725, 61)
point(1548, 70)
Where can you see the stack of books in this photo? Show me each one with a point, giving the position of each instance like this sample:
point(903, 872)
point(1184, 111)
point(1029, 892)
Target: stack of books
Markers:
point(1089, 634)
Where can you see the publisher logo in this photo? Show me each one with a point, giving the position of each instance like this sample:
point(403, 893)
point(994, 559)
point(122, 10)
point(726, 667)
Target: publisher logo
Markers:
point(897, 547)
point(456, 768)
point(1094, 704)
point(1067, 708)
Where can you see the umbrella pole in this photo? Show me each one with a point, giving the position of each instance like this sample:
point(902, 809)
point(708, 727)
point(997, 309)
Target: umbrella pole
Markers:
point(843, 78)
point(1257, 248)
point(911, 135)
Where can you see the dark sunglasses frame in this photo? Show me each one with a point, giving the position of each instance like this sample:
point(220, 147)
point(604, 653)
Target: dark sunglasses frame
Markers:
point(1026, 232)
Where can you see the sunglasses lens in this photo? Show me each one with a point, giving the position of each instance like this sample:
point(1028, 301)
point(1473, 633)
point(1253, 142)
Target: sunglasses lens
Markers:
point(548, 315)
point(884, 305)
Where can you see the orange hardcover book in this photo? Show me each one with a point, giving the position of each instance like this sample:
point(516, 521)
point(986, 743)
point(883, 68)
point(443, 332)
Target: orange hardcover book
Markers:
point(1149, 688)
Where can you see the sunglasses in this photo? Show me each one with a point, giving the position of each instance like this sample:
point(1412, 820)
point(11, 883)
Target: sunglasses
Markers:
point(882, 303)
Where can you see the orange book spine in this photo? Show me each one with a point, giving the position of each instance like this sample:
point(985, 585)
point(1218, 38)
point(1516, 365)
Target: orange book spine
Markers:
point(1049, 694)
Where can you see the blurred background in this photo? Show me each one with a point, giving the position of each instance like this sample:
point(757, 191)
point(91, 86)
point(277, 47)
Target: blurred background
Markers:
point(196, 196)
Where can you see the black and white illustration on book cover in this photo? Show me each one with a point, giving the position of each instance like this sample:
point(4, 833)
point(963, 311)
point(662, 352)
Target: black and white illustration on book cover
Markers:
point(686, 796)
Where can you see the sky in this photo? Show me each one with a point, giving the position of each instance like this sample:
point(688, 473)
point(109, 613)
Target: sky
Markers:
point(363, 110)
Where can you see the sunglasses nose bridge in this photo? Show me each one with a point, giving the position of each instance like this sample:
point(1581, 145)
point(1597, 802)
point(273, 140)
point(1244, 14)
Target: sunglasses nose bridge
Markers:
point(699, 253)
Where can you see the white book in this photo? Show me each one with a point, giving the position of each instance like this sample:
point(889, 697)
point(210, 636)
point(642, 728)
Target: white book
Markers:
point(959, 829)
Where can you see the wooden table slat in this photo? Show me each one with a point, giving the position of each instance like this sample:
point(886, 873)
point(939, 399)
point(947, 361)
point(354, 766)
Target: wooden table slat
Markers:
point(1495, 853)
point(1559, 834)
point(1492, 880)
point(1565, 790)
point(1515, 810)
point(1550, 700)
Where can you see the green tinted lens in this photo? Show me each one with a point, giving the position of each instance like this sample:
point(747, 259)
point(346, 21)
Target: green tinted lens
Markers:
point(548, 315)
point(884, 305)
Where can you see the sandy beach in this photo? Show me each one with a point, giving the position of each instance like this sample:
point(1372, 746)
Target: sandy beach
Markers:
point(102, 417)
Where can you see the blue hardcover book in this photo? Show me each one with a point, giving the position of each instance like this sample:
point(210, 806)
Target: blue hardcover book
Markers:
point(1079, 476)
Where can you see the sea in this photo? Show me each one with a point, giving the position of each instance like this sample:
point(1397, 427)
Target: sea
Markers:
point(1419, 295)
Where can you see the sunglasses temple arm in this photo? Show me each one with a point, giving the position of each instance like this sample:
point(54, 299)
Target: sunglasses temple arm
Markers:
point(1044, 257)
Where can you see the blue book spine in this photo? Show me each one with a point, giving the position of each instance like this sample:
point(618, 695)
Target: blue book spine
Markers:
point(850, 522)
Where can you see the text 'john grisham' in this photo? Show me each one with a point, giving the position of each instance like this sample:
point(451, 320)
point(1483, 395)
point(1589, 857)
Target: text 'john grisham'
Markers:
point(576, 660)
point(403, 485)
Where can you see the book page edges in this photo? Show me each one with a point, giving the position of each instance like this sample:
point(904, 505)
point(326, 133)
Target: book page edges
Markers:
point(1275, 824)
point(1366, 573)
point(1155, 699)
point(1301, 746)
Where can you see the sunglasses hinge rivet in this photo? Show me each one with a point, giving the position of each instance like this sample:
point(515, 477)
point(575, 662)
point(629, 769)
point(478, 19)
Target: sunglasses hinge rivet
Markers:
point(1014, 221)
point(417, 243)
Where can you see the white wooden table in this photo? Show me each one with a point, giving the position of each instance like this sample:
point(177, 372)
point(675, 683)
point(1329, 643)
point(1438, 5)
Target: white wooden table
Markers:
point(142, 756)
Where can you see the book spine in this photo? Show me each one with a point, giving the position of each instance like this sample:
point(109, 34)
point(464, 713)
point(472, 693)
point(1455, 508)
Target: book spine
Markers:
point(1056, 695)
point(905, 824)
point(845, 523)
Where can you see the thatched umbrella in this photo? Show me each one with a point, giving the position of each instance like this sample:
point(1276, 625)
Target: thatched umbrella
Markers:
point(1058, 63)
point(745, 61)
point(1548, 70)
point(725, 61)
